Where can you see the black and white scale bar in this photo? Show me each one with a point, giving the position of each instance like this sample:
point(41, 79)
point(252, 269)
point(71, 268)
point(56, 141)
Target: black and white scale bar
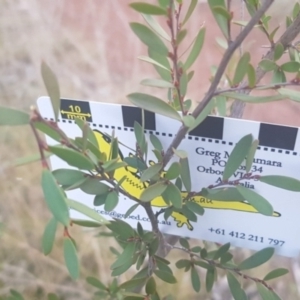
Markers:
point(218, 128)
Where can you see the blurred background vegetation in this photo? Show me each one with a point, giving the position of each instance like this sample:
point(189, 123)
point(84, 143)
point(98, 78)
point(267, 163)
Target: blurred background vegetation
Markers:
point(91, 49)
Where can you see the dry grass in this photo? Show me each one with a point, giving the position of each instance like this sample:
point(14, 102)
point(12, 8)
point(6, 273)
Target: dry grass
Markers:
point(94, 55)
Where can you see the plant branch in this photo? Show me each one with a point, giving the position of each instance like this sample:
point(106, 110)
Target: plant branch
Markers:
point(224, 62)
point(286, 39)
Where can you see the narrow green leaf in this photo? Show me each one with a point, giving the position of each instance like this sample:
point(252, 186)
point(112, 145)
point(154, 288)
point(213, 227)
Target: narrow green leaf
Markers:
point(188, 121)
point(173, 172)
point(71, 259)
point(94, 187)
point(210, 279)
point(156, 27)
point(183, 83)
point(165, 276)
point(131, 210)
point(195, 280)
point(72, 157)
point(241, 68)
point(257, 259)
point(87, 211)
point(253, 99)
point(276, 273)
point(195, 207)
point(256, 200)
point(13, 117)
point(268, 65)
point(196, 49)
point(185, 174)
point(85, 223)
point(278, 51)
point(237, 156)
point(222, 250)
point(180, 36)
point(55, 198)
point(155, 63)
point(190, 11)
point(264, 292)
point(250, 156)
point(52, 87)
point(220, 18)
point(154, 104)
point(251, 76)
point(48, 130)
point(146, 8)
point(49, 236)
point(149, 38)
point(125, 256)
point(151, 172)
point(173, 195)
point(291, 67)
point(153, 191)
point(111, 201)
point(160, 83)
point(278, 76)
point(189, 213)
point(291, 94)
point(223, 194)
point(90, 133)
point(156, 142)
point(95, 283)
point(221, 105)
point(135, 162)
point(183, 263)
point(235, 288)
point(68, 176)
point(205, 112)
point(283, 182)
point(29, 159)
point(161, 64)
point(151, 286)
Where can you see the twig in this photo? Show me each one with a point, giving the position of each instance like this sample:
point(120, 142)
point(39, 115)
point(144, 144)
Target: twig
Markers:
point(286, 39)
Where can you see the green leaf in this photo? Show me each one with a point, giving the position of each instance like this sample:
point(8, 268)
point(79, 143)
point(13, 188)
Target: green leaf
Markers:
point(180, 37)
point(131, 210)
point(52, 296)
point(160, 83)
point(222, 250)
point(151, 286)
point(278, 76)
point(221, 105)
point(291, 94)
point(156, 142)
point(268, 65)
point(183, 83)
point(173, 195)
point(195, 207)
point(151, 172)
point(153, 191)
point(253, 99)
point(276, 273)
point(202, 116)
point(188, 213)
point(94, 187)
point(12, 117)
point(241, 68)
point(111, 201)
point(85, 223)
point(149, 38)
point(87, 211)
point(156, 27)
point(156, 64)
point(222, 21)
point(72, 157)
point(235, 288)
point(291, 67)
point(256, 200)
point(16, 295)
point(52, 87)
point(48, 130)
point(184, 243)
point(90, 133)
point(190, 11)
point(196, 49)
point(55, 198)
point(146, 8)
point(161, 64)
point(29, 159)
point(125, 256)
point(283, 182)
point(135, 162)
point(278, 51)
point(251, 76)
point(223, 194)
point(188, 121)
point(183, 263)
point(180, 153)
point(237, 156)
point(185, 174)
point(173, 172)
point(95, 283)
point(264, 292)
point(210, 279)
point(195, 280)
point(257, 259)
point(250, 156)
point(68, 177)
point(71, 259)
point(165, 276)
point(132, 283)
point(154, 104)
point(49, 236)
